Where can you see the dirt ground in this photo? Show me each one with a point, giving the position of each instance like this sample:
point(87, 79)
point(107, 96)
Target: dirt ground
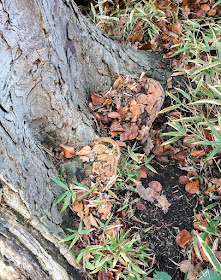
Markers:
point(165, 226)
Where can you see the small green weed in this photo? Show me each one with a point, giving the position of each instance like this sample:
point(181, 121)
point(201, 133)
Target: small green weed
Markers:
point(117, 251)
point(76, 234)
point(209, 240)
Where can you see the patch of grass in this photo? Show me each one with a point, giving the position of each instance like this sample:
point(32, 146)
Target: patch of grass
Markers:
point(120, 253)
point(121, 22)
point(200, 102)
point(209, 241)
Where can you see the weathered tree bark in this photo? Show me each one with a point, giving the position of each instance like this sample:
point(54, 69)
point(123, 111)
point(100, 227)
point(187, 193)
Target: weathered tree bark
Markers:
point(51, 58)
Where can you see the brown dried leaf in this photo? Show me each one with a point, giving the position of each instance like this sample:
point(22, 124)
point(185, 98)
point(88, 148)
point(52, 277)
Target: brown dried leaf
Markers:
point(216, 181)
point(192, 187)
point(187, 266)
point(183, 238)
point(114, 115)
point(130, 133)
point(100, 101)
point(155, 185)
point(143, 173)
point(67, 150)
point(123, 112)
point(116, 126)
point(183, 180)
point(105, 275)
point(141, 207)
point(177, 28)
point(146, 194)
point(198, 154)
point(84, 151)
point(134, 37)
point(121, 143)
point(212, 12)
point(180, 157)
point(135, 110)
point(138, 26)
point(119, 82)
point(78, 207)
point(163, 203)
point(105, 209)
point(115, 229)
point(205, 7)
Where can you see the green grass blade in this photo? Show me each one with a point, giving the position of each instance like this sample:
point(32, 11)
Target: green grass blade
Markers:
point(60, 184)
point(66, 202)
point(61, 197)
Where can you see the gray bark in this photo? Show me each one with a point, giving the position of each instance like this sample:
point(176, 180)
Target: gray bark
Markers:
point(51, 58)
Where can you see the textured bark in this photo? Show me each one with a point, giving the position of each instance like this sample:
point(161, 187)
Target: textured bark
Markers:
point(51, 58)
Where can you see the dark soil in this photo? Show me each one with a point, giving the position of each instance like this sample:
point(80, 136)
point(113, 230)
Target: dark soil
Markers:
point(179, 216)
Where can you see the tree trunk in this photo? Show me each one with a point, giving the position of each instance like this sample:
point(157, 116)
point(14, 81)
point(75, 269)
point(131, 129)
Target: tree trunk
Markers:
point(51, 58)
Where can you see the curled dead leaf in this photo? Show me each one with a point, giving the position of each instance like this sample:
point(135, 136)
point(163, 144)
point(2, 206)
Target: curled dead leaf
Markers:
point(114, 115)
point(180, 157)
point(130, 133)
point(135, 110)
point(116, 126)
point(192, 187)
point(119, 82)
point(141, 207)
point(163, 203)
point(183, 180)
point(205, 7)
point(183, 238)
point(155, 185)
point(198, 154)
point(143, 173)
point(100, 101)
point(67, 150)
point(84, 151)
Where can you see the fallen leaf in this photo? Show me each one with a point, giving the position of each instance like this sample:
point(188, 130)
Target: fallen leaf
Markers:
point(205, 7)
point(100, 101)
point(116, 126)
point(114, 115)
point(192, 187)
point(78, 208)
point(177, 28)
point(163, 203)
point(146, 194)
point(118, 83)
point(105, 275)
point(192, 174)
point(180, 157)
point(216, 181)
point(143, 173)
point(115, 229)
point(187, 266)
point(121, 143)
point(105, 209)
point(183, 180)
point(84, 151)
point(135, 110)
point(183, 238)
point(138, 26)
point(67, 150)
point(134, 37)
point(212, 12)
point(210, 189)
point(203, 255)
point(92, 221)
point(130, 133)
point(123, 112)
point(155, 185)
point(188, 144)
point(218, 255)
point(141, 207)
point(197, 225)
point(198, 154)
